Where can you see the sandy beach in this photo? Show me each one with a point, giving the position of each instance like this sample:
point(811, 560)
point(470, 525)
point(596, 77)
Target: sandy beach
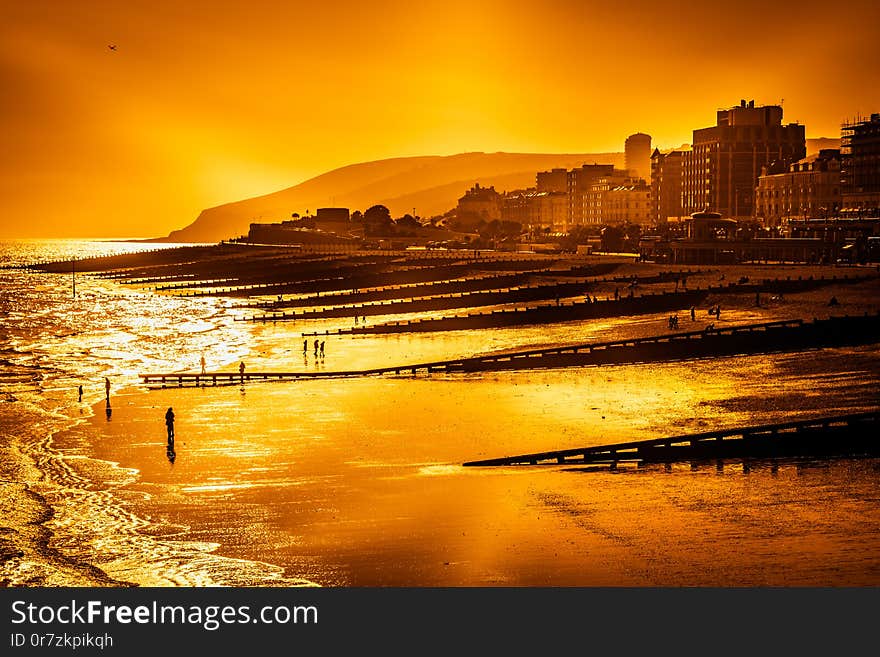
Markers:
point(359, 482)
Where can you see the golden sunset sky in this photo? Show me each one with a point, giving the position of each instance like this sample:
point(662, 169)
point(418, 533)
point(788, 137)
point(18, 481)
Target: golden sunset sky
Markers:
point(207, 102)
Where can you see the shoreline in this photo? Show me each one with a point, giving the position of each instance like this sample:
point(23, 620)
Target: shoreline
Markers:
point(27, 557)
point(190, 523)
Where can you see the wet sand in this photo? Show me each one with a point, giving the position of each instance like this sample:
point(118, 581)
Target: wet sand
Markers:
point(359, 482)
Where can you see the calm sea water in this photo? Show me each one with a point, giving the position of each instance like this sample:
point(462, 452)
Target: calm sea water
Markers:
point(358, 482)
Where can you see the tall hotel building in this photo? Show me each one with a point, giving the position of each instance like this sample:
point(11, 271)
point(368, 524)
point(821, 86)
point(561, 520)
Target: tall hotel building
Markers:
point(721, 172)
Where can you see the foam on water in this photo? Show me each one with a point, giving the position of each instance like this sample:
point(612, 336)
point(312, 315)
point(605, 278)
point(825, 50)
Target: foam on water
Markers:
point(50, 343)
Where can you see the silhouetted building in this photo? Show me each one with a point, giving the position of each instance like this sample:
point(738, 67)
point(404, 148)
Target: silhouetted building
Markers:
point(860, 147)
point(637, 155)
point(618, 198)
point(721, 172)
point(579, 187)
point(666, 186)
point(482, 202)
point(536, 210)
point(711, 239)
point(629, 203)
point(520, 206)
point(808, 189)
point(555, 180)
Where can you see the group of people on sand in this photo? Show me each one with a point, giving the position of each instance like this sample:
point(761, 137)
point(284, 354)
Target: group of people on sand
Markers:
point(672, 321)
point(319, 347)
point(106, 391)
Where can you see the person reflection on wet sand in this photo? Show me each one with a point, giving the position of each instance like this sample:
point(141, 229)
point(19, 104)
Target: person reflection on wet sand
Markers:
point(108, 410)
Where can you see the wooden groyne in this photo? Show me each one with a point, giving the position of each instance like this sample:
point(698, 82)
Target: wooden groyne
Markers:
point(440, 302)
point(842, 435)
point(778, 336)
point(514, 288)
point(545, 314)
point(399, 276)
point(766, 337)
point(406, 291)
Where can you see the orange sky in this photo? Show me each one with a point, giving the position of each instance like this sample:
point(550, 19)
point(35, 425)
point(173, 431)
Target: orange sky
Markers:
point(208, 102)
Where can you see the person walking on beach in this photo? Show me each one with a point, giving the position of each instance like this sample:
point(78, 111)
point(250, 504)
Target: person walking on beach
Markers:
point(169, 424)
point(693, 314)
point(107, 388)
point(203, 363)
point(317, 344)
point(241, 369)
point(322, 348)
point(305, 346)
point(80, 393)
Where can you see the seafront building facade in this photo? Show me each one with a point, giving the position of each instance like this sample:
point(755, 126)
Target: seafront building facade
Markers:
point(666, 186)
point(537, 211)
point(618, 198)
point(860, 149)
point(555, 180)
point(579, 188)
point(480, 202)
point(807, 189)
point(629, 203)
point(721, 171)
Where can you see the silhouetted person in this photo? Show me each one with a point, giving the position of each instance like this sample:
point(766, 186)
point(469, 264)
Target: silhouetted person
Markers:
point(833, 302)
point(80, 393)
point(322, 347)
point(317, 344)
point(203, 363)
point(305, 346)
point(169, 424)
point(617, 294)
point(693, 314)
point(107, 388)
point(241, 368)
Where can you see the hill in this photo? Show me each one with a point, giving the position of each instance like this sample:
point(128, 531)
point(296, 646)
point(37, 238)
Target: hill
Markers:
point(430, 184)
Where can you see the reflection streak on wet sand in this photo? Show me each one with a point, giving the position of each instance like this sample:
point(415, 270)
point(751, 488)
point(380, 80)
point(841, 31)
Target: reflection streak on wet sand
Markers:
point(379, 498)
point(340, 483)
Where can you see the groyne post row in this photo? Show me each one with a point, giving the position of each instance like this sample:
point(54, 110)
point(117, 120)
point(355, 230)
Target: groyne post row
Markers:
point(852, 434)
point(635, 305)
point(462, 299)
point(781, 335)
point(545, 314)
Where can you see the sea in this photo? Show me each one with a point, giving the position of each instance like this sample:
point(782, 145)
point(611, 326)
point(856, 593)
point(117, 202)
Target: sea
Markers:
point(358, 482)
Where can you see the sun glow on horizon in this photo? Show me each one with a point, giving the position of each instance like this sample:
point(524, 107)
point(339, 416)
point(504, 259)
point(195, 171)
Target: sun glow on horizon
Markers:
point(204, 104)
